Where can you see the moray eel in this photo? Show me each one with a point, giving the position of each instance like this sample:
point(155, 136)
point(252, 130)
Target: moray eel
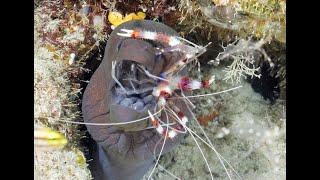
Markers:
point(126, 152)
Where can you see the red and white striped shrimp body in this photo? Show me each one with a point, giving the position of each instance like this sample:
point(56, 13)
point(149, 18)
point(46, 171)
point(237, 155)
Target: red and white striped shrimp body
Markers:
point(155, 123)
point(175, 43)
point(189, 84)
point(164, 89)
point(162, 92)
point(155, 36)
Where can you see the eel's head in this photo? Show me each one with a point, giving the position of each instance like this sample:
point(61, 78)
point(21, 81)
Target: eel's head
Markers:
point(105, 101)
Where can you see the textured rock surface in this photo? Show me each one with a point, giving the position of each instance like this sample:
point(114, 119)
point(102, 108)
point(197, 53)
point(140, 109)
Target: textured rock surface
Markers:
point(52, 91)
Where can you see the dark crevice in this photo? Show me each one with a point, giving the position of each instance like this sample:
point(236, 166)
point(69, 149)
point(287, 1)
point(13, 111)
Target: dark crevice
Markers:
point(271, 84)
point(267, 85)
point(92, 63)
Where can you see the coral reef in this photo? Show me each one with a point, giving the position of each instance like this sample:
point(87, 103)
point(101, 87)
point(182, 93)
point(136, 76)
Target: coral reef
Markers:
point(52, 92)
point(55, 98)
point(53, 95)
point(243, 54)
point(57, 164)
point(246, 18)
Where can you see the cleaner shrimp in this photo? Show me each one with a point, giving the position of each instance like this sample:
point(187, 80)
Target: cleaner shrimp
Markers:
point(170, 83)
point(169, 86)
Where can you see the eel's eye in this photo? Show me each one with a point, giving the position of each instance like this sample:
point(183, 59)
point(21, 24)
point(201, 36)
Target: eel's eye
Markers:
point(119, 45)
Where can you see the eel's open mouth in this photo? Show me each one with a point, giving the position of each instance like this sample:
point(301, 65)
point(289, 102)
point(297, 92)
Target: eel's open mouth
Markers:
point(131, 94)
point(136, 89)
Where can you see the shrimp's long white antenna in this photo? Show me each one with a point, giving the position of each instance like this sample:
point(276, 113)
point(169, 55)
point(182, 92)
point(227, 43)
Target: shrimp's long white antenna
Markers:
point(205, 159)
point(187, 41)
point(188, 100)
point(154, 154)
point(164, 124)
point(210, 94)
point(195, 56)
point(208, 139)
point(151, 75)
point(110, 124)
point(164, 142)
point(168, 172)
point(211, 147)
point(201, 51)
point(154, 167)
point(174, 115)
point(205, 134)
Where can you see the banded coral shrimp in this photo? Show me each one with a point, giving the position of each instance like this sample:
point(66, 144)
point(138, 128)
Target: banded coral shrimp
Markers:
point(170, 86)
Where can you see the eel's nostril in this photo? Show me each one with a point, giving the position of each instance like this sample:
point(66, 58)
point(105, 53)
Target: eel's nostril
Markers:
point(119, 45)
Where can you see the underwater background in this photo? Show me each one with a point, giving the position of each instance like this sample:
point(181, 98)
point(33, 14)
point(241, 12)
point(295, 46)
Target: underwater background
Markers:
point(248, 50)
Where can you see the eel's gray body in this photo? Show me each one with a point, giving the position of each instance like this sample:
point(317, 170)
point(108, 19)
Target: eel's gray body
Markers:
point(124, 152)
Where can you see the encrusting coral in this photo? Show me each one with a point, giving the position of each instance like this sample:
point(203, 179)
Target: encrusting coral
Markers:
point(261, 19)
point(54, 99)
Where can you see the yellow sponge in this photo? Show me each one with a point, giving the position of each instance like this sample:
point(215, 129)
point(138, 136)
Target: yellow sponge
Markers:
point(116, 18)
